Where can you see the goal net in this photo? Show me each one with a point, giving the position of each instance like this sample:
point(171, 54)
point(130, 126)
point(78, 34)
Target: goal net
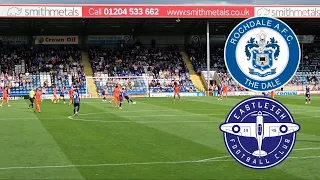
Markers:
point(136, 86)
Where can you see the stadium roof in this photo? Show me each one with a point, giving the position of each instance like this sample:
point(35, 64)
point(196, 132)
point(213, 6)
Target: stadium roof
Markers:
point(137, 26)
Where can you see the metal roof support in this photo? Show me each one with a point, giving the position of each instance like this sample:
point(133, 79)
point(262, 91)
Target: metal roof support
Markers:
point(208, 55)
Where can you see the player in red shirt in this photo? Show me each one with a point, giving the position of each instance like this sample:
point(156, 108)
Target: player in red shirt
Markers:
point(38, 100)
point(55, 99)
point(71, 95)
point(176, 91)
point(273, 94)
point(225, 91)
point(5, 97)
point(116, 96)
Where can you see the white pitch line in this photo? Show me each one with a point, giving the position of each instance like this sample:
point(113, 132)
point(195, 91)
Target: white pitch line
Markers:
point(216, 159)
point(112, 164)
point(305, 149)
point(171, 115)
point(152, 110)
point(144, 121)
point(163, 122)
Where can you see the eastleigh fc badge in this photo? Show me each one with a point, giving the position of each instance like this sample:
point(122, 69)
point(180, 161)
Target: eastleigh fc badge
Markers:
point(259, 132)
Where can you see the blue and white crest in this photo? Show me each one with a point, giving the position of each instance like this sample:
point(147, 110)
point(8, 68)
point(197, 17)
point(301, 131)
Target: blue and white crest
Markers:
point(262, 53)
point(259, 132)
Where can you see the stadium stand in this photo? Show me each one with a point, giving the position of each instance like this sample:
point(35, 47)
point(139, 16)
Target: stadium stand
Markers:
point(306, 74)
point(198, 57)
point(163, 66)
point(45, 67)
point(34, 65)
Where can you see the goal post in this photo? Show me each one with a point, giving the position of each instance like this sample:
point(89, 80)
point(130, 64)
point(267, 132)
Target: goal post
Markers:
point(135, 86)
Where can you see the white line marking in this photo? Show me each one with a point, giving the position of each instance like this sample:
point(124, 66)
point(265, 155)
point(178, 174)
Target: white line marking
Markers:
point(305, 149)
point(171, 115)
point(112, 164)
point(151, 110)
point(292, 158)
point(144, 121)
point(304, 157)
point(215, 159)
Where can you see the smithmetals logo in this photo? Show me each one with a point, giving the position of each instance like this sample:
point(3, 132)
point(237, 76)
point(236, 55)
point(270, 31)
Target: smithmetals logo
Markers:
point(263, 12)
point(14, 11)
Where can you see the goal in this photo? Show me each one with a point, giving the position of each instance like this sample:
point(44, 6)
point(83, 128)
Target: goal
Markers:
point(136, 86)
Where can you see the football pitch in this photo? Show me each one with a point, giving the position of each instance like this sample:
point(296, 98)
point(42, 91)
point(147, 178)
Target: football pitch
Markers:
point(153, 139)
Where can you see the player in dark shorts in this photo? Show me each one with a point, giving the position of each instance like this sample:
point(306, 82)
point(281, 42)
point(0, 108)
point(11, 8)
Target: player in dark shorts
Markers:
point(308, 100)
point(62, 91)
point(76, 102)
point(265, 94)
point(219, 92)
point(126, 96)
point(103, 94)
point(31, 98)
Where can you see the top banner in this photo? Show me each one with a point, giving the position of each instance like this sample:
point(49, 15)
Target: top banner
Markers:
point(167, 11)
point(156, 11)
point(126, 11)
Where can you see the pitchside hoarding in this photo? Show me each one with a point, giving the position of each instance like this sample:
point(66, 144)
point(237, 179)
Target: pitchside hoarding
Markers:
point(56, 40)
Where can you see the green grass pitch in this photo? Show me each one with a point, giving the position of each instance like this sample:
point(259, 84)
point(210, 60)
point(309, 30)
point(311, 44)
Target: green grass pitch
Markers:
point(154, 139)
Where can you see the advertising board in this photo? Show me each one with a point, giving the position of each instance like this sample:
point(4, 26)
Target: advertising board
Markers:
point(14, 39)
point(186, 94)
point(50, 96)
point(56, 40)
point(108, 39)
point(286, 93)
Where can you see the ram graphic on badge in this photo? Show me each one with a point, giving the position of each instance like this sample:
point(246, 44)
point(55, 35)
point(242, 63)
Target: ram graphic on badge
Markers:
point(259, 132)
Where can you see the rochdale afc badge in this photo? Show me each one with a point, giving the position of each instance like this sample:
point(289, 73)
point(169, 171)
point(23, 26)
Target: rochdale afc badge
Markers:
point(259, 132)
point(262, 53)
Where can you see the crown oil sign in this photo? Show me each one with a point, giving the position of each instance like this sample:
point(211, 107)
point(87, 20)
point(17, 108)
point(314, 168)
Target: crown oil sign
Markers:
point(56, 40)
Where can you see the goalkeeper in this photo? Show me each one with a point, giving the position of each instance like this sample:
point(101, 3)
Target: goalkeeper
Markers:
point(125, 95)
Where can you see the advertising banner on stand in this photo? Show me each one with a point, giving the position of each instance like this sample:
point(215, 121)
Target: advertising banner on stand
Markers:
point(56, 40)
point(14, 39)
point(109, 39)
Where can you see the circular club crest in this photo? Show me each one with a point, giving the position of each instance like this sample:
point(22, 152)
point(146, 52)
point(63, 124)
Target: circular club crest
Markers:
point(259, 132)
point(262, 53)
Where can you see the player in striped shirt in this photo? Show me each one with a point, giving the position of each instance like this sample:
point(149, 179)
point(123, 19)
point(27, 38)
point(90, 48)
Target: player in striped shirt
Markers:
point(76, 102)
point(126, 96)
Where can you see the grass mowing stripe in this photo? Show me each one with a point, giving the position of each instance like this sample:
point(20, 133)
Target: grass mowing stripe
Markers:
point(28, 143)
point(120, 140)
point(114, 143)
point(205, 134)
